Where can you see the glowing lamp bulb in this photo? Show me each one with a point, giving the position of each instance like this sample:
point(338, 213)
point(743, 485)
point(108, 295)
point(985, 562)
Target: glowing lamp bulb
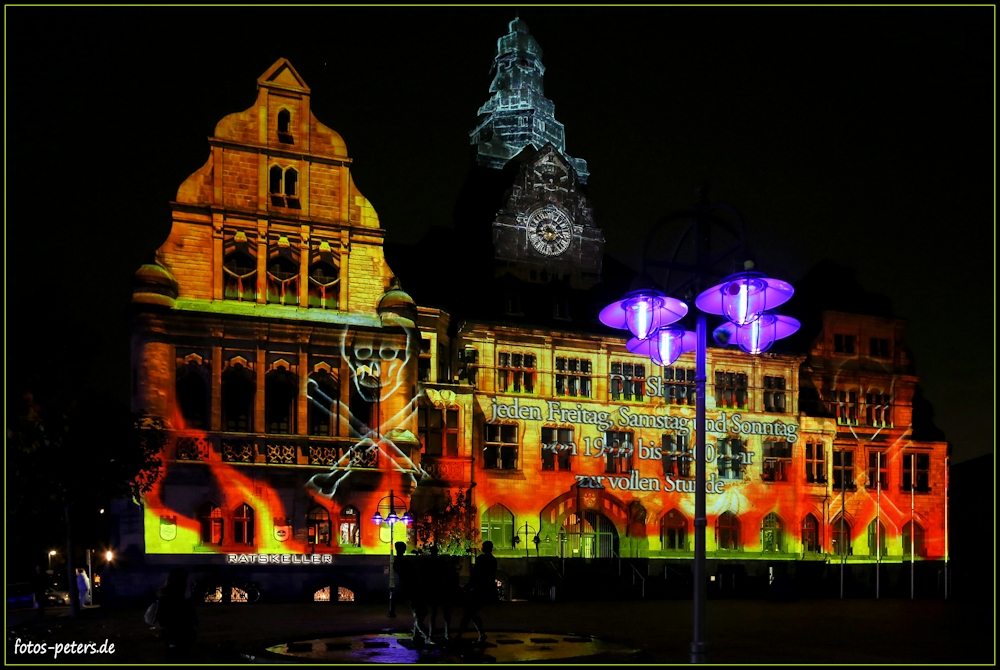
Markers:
point(669, 345)
point(757, 336)
point(743, 300)
point(392, 518)
point(641, 315)
point(406, 519)
point(378, 519)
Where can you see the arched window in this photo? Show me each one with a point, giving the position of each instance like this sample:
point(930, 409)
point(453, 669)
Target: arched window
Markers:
point(318, 525)
point(673, 531)
point(210, 516)
point(238, 388)
point(323, 393)
point(283, 186)
point(283, 274)
point(916, 532)
point(281, 389)
point(876, 538)
point(350, 529)
point(193, 397)
point(810, 534)
point(285, 126)
point(727, 529)
point(771, 534)
point(840, 529)
point(243, 525)
point(240, 280)
point(498, 527)
point(324, 278)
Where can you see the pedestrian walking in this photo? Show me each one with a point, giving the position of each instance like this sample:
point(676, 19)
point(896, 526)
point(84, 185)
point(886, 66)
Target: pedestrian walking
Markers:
point(412, 587)
point(83, 586)
point(481, 591)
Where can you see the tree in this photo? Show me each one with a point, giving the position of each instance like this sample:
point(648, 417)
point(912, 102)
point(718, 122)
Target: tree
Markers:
point(68, 453)
point(450, 525)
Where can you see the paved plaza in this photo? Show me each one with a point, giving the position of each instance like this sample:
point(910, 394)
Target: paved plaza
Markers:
point(739, 632)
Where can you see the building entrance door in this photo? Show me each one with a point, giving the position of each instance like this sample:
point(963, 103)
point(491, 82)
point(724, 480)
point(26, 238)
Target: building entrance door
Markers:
point(591, 535)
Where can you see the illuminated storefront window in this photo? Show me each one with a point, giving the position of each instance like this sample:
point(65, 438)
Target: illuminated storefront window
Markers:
point(243, 528)
point(210, 516)
point(673, 531)
point(438, 431)
point(774, 394)
point(878, 469)
point(573, 377)
point(878, 410)
point(498, 526)
point(727, 531)
point(918, 539)
point(729, 457)
point(500, 447)
point(678, 386)
point(777, 461)
point(772, 539)
point(815, 463)
point(843, 469)
point(350, 530)
point(618, 451)
point(318, 526)
point(628, 381)
point(558, 449)
point(731, 390)
point(810, 535)
point(675, 455)
point(923, 466)
point(515, 373)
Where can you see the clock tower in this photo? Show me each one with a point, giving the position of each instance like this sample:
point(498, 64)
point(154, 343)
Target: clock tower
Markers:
point(546, 230)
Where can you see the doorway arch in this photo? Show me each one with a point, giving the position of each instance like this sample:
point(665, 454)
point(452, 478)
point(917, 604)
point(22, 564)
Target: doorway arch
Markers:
point(588, 535)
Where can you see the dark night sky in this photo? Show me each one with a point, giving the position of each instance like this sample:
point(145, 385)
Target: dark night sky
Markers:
point(861, 135)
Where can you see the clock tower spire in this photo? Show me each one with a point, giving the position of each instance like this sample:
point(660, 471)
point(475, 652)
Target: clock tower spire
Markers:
point(518, 114)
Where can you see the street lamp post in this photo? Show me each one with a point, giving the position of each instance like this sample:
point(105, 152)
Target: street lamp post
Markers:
point(527, 531)
point(746, 299)
point(391, 507)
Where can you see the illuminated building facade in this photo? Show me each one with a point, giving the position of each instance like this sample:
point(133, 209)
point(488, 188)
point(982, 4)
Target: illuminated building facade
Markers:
point(302, 387)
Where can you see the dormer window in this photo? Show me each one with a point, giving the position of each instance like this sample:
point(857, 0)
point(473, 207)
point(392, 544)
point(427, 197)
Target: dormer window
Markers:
point(285, 127)
point(283, 185)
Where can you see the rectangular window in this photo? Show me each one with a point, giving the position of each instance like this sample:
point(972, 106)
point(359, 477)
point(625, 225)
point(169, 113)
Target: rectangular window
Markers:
point(815, 463)
point(438, 431)
point(843, 344)
point(676, 456)
point(424, 363)
point(731, 390)
point(922, 462)
point(500, 447)
point(515, 373)
point(774, 394)
point(573, 377)
point(468, 359)
point(678, 386)
point(877, 467)
point(729, 457)
point(558, 449)
point(628, 381)
point(843, 470)
point(777, 461)
point(618, 451)
point(845, 406)
point(878, 410)
point(879, 347)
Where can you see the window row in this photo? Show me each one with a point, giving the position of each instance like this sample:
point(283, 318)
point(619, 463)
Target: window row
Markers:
point(850, 407)
point(878, 347)
point(216, 526)
point(283, 272)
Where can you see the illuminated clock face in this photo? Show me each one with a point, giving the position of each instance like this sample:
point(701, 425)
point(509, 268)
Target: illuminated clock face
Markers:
point(550, 230)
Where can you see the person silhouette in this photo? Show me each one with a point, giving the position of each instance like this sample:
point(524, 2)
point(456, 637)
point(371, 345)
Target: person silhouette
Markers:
point(412, 587)
point(481, 591)
point(444, 590)
point(177, 617)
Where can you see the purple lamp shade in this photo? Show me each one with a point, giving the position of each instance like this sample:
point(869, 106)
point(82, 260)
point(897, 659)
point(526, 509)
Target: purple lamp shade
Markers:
point(642, 312)
point(757, 336)
point(665, 346)
point(744, 296)
point(378, 519)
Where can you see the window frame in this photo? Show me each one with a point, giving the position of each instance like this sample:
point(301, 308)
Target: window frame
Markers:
point(496, 453)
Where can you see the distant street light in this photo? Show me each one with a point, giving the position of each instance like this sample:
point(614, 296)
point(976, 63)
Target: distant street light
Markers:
point(51, 554)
